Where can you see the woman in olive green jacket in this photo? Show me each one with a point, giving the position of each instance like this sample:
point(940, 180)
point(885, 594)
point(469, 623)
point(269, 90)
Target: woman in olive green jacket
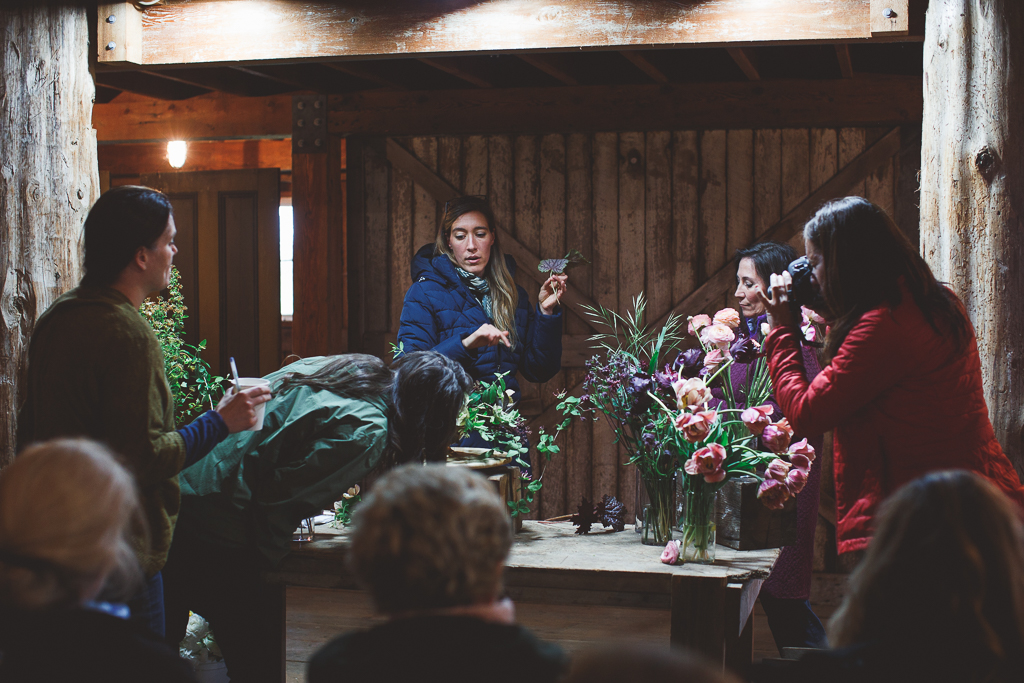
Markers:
point(331, 421)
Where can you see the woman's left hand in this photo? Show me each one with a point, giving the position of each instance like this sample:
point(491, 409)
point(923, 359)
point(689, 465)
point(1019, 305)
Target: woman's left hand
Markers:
point(551, 292)
point(779, 313)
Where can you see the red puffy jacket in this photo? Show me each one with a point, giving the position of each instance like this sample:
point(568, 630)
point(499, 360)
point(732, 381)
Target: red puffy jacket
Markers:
point(902, 402)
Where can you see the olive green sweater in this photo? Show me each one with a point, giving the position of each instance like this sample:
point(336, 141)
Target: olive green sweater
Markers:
point(96, 369)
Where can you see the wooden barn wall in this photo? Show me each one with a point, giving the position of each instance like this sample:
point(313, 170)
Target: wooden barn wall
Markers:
point(654, 212)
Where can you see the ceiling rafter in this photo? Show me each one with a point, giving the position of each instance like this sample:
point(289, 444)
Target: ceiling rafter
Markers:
point(644, 64)
point(460, 69)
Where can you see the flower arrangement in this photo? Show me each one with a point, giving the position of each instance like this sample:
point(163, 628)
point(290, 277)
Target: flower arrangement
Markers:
point(192, 384)
point(719, 438)
point(199, 646)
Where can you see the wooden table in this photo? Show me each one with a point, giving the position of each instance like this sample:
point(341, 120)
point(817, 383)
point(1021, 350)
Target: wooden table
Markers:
point(710, 605)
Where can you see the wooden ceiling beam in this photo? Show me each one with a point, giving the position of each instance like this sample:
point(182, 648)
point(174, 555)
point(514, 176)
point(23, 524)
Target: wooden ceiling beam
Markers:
point(861, 101)
point(271, 77)
point(549, 67)
point(456, 67)
point(366, 74)
point(250, 31)
point(746, 61)
point(644, 64)
point(845, 63)
point(149, 84)
point(151, 157)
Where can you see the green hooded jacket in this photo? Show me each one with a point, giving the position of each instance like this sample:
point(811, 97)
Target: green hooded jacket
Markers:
point(254, 488)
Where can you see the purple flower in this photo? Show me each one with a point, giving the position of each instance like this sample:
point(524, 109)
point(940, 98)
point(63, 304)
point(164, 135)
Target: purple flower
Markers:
point(744, 350)
point(689, 363)
point(666, 378)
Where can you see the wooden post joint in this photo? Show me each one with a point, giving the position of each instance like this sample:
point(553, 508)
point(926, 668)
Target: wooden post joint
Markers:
point(309, 124)
point(890, 17)
point(118, 33)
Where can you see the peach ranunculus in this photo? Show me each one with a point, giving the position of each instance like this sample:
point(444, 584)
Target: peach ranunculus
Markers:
point(707, 462)
point(713, 359)
point(773, 494)
point(695, 426)
point(670, 555)
point(697, 323)
point(777, 470)
point(796, 479)
point(691, 392)
point(728, 316)
point(776, 436)
point(756, 418)
point(717, 335)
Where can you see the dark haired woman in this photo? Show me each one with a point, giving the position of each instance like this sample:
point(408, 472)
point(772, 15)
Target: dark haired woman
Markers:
point(939, 596)
point(464, 304)
point(332, 420)
point(785, 595)
point(95, 369)
point(902, 388)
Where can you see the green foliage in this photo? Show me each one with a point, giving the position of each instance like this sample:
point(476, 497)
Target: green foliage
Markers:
point(193, 386)
point(629, 335)
point(396, 349)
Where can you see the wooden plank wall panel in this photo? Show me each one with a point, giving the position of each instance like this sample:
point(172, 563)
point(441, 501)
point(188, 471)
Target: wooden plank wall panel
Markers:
point(656, 212)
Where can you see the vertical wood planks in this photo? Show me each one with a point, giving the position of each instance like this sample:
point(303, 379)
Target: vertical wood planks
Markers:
point(685, 217)
point(658, 223)
point(527, 228)
point(474, 169)
point(740, 196)
point(425, 219)
point(851, 143)
point(401, 217)
point(606, 292)
point(577, 441)
point(377, 285)
point(880, 188)
point(795, 167)
point(449, 160)
point(713, 198)
point(767, 179)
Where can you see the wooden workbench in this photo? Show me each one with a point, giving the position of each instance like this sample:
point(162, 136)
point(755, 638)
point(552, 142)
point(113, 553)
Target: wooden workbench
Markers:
point(709, 605)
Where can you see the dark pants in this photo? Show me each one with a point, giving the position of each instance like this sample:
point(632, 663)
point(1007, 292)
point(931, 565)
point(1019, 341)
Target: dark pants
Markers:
point(223, 585)
point(147, 606)
point(793, 623)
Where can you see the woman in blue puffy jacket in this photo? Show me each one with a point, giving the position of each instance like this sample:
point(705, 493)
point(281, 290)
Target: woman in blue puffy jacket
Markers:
point(464, 304)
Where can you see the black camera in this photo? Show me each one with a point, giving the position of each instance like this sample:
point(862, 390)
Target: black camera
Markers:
point(803, 292)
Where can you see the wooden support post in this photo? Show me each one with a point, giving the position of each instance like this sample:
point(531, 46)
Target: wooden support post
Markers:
point(118, 33)
point(705, 596)
point(48, 153)
point(319, 325)
point(972, 187)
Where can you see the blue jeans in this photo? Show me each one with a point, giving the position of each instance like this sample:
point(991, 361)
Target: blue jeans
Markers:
point(793, 623)
point(147, 606)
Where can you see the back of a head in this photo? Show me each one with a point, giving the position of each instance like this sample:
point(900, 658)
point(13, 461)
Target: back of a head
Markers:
point(66, 511)
point(430, 537)
point(122, 220)
point(428, 391)
point(634, 664)
point(945, 569)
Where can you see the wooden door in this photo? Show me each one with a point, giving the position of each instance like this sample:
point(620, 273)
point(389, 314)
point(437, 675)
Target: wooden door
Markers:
point(229, 261)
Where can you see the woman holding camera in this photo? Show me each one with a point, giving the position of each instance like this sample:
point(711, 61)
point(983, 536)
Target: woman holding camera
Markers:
point(902, 385)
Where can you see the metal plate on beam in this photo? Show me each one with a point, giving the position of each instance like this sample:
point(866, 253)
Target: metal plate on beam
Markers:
point(309, 124)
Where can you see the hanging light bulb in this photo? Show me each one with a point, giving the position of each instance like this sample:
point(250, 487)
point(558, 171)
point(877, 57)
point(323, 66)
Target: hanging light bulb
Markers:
point(176, 152)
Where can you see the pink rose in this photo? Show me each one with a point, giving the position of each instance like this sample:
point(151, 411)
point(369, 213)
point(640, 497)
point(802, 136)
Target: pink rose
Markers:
point(773, 494)
point(729, 317)
point(691, 392)
point(695, 426)
point(796, 480)
point(713, 359)
point(811, 316)
point(800, 462)
point(670, 555)
point(707, 462)
point(697, 323)
point(777, 470)
point(803, 448)
point(756, 419)
point(717, 335)
point(776, 436)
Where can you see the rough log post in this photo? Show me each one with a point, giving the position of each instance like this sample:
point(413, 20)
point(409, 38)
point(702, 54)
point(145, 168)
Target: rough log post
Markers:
point(972, 186)
point(48, 176)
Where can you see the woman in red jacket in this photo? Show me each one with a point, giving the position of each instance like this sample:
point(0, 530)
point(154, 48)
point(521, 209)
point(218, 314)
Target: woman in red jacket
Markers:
point(902, 385)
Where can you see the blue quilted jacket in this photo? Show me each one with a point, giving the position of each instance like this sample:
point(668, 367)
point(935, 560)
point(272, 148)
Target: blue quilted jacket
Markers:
point(439, 312)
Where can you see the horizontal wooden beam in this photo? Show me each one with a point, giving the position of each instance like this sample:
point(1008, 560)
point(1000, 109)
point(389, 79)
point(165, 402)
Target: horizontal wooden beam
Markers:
point(862, 101)
point(213, 116)
point(151, 157)
point(212, 31)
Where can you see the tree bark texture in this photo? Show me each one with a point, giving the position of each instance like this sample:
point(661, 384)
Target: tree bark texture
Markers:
point(48, 176)
point(972, 187)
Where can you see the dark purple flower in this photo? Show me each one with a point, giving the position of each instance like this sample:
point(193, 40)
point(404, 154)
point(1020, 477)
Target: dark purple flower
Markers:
point(744, 350)
point(638, 388)
point(666, 378)
point(649, 441)
point(689, 363)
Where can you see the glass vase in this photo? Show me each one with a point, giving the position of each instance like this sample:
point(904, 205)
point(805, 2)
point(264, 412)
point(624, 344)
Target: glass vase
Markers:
point(698, 522)
point(659, 513)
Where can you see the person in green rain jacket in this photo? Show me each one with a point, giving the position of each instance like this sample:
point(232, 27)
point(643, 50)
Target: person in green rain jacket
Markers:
point(330, 422)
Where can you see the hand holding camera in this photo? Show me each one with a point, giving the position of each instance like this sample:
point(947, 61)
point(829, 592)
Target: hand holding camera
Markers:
point(789, 291)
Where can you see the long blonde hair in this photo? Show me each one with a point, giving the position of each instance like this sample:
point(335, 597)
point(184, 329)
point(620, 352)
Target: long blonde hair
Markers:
point(68, 512)
point(504, 295)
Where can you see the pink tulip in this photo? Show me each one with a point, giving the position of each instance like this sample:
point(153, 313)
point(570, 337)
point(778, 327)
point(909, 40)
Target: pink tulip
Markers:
point(691, 392)
point(810, 332)
point(695, 426)
point(777, 470)
point(697, 323)
point(670, 555)
point(796, 480)
point(773, 494)
point(776, 436)
point(728, 316)
point(803, 448)
point(714, 359)
point(756, 419)
point(811, 316)
point(707, 462)
point(717, 335)
point(800, 462)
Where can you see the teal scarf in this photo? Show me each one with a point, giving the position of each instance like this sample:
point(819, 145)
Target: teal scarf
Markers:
point(480, 288)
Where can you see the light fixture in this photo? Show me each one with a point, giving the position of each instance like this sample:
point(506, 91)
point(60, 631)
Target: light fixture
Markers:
point(176, 152)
